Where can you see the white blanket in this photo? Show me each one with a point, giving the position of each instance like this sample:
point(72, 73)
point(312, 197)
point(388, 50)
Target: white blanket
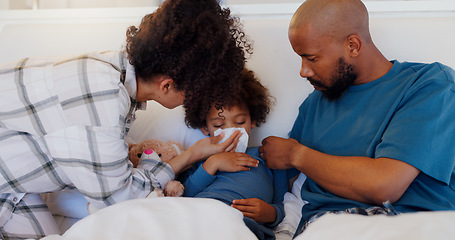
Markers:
point(199, 219)
point(162, 218)
point(415, 226)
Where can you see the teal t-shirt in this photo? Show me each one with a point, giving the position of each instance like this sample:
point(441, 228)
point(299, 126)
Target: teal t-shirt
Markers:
point(408, 115)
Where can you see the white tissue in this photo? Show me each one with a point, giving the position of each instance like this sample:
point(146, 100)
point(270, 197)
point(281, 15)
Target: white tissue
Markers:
point(243, 140)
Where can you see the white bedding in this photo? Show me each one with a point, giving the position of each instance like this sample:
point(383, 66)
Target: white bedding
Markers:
point(161, 218)
point(412, 226)
point(200, 219)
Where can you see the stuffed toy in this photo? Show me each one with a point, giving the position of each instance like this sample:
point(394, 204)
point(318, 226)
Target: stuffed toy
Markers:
point(154, 149)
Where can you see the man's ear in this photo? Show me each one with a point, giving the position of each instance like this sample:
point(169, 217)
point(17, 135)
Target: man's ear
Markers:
point(205, 131)
point(354, 45)
point(166, 84)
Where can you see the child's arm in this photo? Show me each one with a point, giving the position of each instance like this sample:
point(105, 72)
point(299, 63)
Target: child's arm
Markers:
point(229, 162)
point(256, 209)
point(195, 180)
point(204, 175)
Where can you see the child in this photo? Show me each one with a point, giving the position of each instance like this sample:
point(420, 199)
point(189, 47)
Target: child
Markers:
point(239, 179)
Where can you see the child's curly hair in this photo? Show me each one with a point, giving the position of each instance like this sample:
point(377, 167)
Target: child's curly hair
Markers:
point(197, 43)
point(252, 94)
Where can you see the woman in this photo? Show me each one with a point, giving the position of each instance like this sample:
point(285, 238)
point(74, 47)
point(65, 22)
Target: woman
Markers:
point(63, 120)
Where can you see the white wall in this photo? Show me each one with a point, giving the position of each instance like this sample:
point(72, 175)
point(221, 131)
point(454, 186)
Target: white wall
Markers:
point(412, 30)
point(46, 4)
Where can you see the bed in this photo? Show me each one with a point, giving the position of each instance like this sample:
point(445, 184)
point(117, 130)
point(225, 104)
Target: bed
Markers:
point(399, 29)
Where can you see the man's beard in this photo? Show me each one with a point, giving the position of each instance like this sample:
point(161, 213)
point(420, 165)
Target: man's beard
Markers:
point(341, 79)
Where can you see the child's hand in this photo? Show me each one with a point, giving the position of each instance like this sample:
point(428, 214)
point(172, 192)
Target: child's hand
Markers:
point(255, 209)
point(229, 162)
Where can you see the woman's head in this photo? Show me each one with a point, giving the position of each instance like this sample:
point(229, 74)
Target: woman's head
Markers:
point(196, 43)
point(247, 110)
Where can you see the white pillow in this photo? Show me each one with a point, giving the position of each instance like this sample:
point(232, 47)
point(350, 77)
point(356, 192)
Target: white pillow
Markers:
point(158, 122)
point(68, 203)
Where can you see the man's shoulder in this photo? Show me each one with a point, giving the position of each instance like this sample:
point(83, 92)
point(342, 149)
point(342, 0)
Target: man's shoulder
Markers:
point(420, 67)
point(424, 74)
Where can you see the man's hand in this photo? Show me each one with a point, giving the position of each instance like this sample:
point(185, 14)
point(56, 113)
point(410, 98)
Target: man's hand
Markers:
point(277, 152)
point(255, 209)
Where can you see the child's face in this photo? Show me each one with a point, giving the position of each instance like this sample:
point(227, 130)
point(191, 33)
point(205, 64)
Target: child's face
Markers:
point(236, 116)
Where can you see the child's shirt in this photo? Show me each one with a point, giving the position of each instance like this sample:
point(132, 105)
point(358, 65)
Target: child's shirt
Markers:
point(259, 182)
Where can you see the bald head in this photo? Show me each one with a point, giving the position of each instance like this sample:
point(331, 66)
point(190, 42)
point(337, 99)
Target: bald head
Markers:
point(334, 18)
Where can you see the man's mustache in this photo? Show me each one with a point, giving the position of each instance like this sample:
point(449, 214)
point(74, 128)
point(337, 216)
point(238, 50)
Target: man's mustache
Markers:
point(316, 83)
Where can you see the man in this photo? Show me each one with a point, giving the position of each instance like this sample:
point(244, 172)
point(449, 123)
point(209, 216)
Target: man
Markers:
point(377, 135)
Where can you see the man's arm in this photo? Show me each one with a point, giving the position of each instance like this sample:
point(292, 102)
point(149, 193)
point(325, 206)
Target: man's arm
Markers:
point(358, 178)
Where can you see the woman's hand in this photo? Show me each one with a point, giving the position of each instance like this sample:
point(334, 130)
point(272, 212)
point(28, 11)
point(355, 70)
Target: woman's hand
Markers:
point(229, 162)
point(209, 146)
point(255, 209)
point(203, 149)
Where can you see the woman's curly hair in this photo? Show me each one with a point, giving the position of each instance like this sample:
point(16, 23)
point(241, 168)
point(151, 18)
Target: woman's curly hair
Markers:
point(196, 43)
point(252, 94)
